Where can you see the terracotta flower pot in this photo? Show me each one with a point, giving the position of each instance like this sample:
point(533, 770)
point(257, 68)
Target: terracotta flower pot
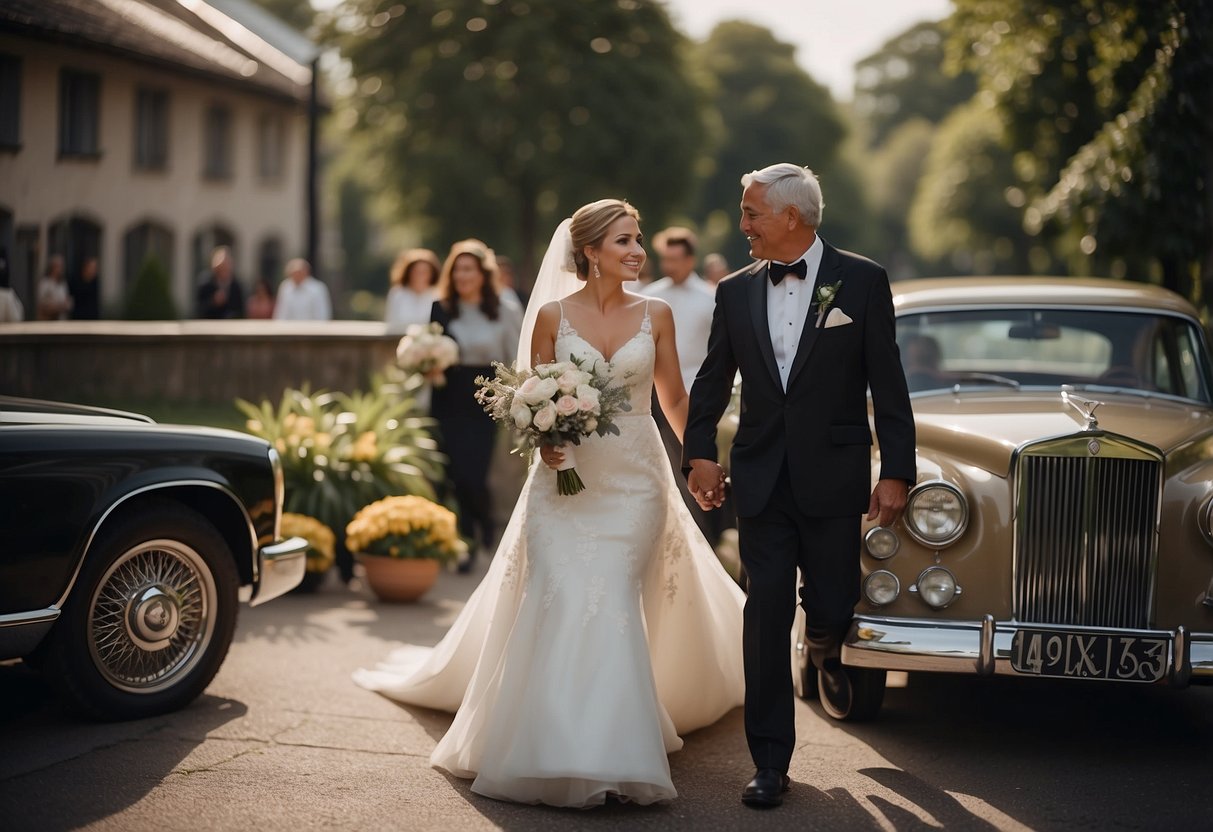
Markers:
point(396, 579)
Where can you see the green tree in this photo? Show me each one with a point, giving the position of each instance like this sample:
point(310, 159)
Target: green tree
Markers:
point(892, 172)
point(768, 110)
point(1106, 102)
point(150, 298)
point(966, 213)
point(494, 119)
point(905, 79)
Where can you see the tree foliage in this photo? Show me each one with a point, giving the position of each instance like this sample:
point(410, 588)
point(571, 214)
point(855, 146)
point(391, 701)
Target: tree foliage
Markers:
point(1106, 102)
point(905, 79)
point(495, 118)
point(768, 110)
point(150, 297)
point(965, 217)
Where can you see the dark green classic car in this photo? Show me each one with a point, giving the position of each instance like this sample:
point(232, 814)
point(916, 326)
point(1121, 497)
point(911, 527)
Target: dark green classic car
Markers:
point(126, 547)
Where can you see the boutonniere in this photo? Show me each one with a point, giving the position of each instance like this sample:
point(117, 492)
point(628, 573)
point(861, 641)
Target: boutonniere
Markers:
point(825, 298)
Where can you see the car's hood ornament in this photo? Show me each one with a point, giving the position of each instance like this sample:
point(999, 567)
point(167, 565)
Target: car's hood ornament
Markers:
point(1086, 407)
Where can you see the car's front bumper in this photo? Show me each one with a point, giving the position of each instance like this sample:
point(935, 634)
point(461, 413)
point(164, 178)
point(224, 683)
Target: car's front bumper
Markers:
point(984, 647)
point(280, 568)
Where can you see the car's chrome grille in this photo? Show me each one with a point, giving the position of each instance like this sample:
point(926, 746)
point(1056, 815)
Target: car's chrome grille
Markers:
point(1086, 535)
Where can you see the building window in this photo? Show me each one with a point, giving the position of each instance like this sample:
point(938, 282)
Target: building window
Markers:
point(271, 146)
point(10, 101)
point(79, 113)
point(218, 143)
point(269, 260)
point(151, 129)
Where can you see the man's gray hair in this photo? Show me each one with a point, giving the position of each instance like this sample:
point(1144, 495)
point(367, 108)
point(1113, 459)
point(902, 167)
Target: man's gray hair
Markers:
point(789, 184)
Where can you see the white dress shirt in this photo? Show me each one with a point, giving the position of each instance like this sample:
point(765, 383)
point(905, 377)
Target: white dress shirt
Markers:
point(406, 307)
point(692, 301)
point(306, 301)
point(788, 308)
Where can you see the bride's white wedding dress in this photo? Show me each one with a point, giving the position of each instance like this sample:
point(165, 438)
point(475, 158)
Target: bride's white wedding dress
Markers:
point(604, 628)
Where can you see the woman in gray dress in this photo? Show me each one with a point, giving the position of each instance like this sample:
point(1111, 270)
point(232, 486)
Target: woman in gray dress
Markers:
point(486, 325)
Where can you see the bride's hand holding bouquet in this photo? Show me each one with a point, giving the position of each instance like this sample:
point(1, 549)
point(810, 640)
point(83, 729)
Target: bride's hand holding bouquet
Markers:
point(555, 405)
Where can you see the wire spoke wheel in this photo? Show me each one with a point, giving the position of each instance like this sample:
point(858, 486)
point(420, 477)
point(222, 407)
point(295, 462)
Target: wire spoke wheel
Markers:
point(151, 616)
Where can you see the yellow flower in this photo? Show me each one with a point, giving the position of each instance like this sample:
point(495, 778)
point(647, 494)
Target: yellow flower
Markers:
point(320, 538)
point(398, 518)
point(366, 448)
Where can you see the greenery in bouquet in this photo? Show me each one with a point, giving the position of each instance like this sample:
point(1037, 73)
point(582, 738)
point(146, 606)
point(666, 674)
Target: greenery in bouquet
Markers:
point(426, 351)
point(555, 404)
point(340, 452)
point(405, 527)
point(319, 537)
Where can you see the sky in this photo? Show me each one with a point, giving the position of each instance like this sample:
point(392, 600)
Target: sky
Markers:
point(830, 35)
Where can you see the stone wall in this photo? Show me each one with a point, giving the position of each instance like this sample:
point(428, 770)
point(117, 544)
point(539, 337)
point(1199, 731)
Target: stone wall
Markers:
point(209, 362)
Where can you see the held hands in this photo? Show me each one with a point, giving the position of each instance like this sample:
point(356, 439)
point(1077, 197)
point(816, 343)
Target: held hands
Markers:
point(706, 483)
point(888, 500)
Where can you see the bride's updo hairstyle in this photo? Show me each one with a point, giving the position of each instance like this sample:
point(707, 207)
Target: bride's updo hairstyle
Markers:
point(589, 228)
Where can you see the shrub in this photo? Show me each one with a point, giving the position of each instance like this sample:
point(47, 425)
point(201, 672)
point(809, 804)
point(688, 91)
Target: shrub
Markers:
point(151, 297)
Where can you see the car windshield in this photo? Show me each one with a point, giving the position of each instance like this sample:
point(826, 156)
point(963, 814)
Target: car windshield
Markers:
point(1136, 352)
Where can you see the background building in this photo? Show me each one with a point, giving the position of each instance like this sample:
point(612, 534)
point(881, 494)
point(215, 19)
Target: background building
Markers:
point(137, 128)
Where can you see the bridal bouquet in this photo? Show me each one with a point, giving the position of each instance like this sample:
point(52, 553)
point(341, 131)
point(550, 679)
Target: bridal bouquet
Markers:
point(555, 404)
point(425, 350)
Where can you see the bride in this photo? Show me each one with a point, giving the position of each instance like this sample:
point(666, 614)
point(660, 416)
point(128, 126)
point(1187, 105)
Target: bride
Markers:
point(605, 626)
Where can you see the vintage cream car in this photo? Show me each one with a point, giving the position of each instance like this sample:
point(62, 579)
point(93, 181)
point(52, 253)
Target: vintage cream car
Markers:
point(1060, 525)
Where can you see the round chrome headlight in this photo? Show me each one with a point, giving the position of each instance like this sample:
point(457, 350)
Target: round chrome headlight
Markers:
point(936, 513)
point(1204, 519)
point(881, 542)
point(881, 587)
point(936, 587)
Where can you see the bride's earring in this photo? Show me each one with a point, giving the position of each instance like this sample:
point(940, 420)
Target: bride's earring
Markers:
point(597, 274)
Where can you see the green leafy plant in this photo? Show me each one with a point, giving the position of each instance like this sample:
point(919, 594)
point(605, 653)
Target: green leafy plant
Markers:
point(342, 451)
point(151, 298)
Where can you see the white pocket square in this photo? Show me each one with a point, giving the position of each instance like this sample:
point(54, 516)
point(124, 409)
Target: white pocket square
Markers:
point(837, 318)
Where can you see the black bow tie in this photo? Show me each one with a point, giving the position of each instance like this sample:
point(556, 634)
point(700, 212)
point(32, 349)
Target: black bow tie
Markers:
point(778, 271)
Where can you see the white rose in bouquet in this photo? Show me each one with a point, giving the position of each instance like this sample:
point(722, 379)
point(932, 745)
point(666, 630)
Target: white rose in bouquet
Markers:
point(521, 414)
point(567, 406)
point(587, 398)
point(545, 417)
point(541, 390)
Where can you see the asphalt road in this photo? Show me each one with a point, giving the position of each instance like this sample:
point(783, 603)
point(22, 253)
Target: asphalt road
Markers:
point(283, 740)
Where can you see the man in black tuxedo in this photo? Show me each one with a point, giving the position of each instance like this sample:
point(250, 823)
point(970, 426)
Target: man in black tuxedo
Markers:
point(811, 329)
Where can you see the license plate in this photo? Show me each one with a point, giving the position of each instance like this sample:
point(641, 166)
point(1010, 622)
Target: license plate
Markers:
point(1089, 655)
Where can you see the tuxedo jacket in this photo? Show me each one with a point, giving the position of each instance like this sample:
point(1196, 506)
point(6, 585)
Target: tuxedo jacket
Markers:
point(819, 425)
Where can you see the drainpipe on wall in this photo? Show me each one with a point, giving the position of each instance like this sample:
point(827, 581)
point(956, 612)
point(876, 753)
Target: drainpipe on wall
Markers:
point(313, 170)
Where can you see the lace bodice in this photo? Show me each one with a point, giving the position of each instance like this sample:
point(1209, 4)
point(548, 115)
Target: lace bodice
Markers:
point(632, 363)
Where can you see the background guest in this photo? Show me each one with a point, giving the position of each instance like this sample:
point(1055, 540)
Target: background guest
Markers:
point(220, 294)
point(509, 281)
point(410, 300)
point(471, 310)
point(86, 295)
point(302, 297)
point(11, 308)
point(692, 300)
point(54, 302)
point(715, 268)
point(261, 300)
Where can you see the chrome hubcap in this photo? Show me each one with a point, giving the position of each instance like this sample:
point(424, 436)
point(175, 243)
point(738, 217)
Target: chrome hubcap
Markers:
point(151, 617)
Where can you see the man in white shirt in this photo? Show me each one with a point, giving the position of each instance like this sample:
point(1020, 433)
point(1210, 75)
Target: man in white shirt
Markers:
point(692, 300)
point(302, 297)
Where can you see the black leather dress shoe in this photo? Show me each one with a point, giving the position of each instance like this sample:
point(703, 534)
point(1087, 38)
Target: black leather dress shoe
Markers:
point(766, 790)
point(835, 689)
